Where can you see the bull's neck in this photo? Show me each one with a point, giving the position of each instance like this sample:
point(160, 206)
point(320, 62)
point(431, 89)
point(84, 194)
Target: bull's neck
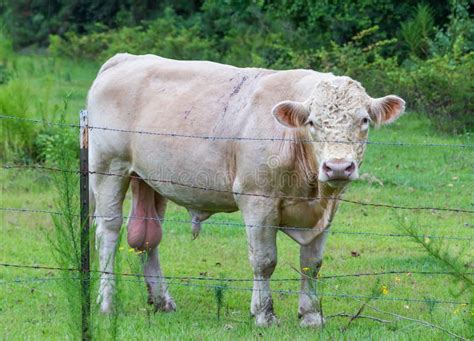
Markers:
point(326, 194)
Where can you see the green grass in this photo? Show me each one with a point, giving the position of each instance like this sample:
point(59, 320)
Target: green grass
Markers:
point(411, 176)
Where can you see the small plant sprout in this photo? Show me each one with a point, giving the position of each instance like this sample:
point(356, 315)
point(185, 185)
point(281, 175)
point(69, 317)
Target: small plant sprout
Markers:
point(219, 296)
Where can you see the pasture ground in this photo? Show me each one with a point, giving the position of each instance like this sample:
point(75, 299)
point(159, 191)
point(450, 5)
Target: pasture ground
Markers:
point(411, 176)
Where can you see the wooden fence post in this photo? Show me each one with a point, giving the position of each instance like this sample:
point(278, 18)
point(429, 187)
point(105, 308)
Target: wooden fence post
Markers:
point(85, 226)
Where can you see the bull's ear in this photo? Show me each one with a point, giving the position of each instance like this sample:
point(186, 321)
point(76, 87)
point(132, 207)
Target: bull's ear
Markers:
point(291, 114)
point(385, 110)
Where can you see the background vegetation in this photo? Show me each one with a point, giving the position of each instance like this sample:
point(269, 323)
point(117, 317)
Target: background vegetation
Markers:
point(422, 51)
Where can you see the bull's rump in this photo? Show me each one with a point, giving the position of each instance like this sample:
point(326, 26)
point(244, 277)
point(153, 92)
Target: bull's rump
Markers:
point(195, 98)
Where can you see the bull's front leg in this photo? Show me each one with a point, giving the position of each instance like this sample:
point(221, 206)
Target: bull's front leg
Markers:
point(311, 258)
point(263, 258)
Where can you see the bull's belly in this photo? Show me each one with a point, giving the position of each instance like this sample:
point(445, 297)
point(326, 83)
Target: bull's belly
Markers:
point(198, 199)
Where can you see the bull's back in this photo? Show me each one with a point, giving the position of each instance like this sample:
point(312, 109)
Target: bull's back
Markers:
point(175, 105)
point(147, 99)
point(150, 93)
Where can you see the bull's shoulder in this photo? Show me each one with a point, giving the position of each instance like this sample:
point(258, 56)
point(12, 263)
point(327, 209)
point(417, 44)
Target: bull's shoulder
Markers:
point(294, 85)
point(295, 78)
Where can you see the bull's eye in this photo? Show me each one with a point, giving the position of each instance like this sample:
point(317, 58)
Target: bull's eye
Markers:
point(365, 120)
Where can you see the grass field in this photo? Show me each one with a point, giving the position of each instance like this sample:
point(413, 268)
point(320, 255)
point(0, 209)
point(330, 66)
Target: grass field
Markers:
point(409, 176)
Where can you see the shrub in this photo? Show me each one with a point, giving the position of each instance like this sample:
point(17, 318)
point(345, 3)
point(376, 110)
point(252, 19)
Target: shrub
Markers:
point(362, 59)
point(79, 47)
point(168, 36)
point(441, 88)
point(51, 144)
point(416, 32)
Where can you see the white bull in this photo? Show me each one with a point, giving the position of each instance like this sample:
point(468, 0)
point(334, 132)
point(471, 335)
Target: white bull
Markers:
point(277, 136)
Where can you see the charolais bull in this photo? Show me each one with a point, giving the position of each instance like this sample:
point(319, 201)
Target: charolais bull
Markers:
point(280, 146)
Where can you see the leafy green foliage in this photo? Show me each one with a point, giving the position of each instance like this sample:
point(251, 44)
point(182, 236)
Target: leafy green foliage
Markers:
point(439, 88)
point(417, 32)
point(168, 36)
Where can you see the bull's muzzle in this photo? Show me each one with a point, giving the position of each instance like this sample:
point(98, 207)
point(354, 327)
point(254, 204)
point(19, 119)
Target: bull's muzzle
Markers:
point(337, 171)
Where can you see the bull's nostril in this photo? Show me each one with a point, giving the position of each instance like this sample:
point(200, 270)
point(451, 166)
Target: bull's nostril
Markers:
point(350, 169)
point(326, 169)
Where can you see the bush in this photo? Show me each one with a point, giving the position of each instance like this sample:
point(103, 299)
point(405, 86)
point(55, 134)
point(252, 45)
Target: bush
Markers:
point(362, 59)
point(52, 144)
point(442, 89)
point(417, 31)
point(439, 86)
point(168, 36)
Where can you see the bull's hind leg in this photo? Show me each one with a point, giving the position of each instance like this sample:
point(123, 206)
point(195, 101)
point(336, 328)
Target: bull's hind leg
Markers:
point(144, 233)
point(158, 294)
point(109, 193)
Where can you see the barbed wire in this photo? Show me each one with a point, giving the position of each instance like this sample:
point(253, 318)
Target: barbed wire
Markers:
point(235, 224)
point(236, 138)
point(224, 279)
point(31, 280)
point(237, 193)
point(323, 294)
point(223, 286)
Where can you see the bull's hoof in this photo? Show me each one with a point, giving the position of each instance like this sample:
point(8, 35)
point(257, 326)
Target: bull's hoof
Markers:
point(106, 306)
point(266, 320)
point(311, 320)
point(165, 305)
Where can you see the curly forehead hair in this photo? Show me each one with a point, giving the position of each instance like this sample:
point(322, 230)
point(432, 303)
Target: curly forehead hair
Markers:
point(341, 95)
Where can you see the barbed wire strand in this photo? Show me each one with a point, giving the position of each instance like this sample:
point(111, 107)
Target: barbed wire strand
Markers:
point(234, 224)
point(279, 291)
point(236, 138)
point(236, 193)
point(205, 278)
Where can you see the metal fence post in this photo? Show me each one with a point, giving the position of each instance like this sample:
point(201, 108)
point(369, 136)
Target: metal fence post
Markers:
point(85, 226)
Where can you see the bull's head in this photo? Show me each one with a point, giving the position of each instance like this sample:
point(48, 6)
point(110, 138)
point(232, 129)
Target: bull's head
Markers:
point(338, 115)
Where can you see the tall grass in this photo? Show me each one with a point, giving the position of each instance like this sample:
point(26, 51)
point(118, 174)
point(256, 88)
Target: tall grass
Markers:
point(17, 136)
point(64, 239)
